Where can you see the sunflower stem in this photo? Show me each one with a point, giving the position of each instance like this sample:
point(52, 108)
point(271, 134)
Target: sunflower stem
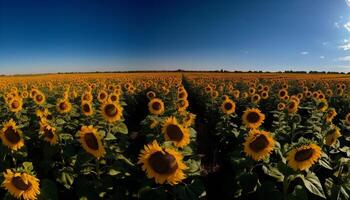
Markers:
point(285, 187)
point(97, 168)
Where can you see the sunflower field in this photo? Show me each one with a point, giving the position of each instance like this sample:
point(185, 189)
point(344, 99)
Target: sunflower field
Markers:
point(175, 135)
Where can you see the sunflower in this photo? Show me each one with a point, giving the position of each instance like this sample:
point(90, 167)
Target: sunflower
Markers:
point(111, 111)
point(63, 106)
point(253, 118)
point(292, 106)
point(113, 97)
point(24, 94)
point(331, 113)
point(173, 131)
point(87, 96)
point(150, 95)
point(48, 132)
point(164, 165)
point(255, 98)
point(86, 108)
point(188, 120)
point(214, 94)
point(282, 93)
point(154, 123)
point(304, 156)
point(281, 106)
point(21, 185)
point(182, 105)
point(322, 105)
point(156, 106)
point(228, 107)
point(182, 95)
point(102, 96)
point(331, 136)
point(91, 141)
point(258, 144)
point(39, 98)
point(347, 119)
point(11, 136)
point(15, 105)
point(264, 95)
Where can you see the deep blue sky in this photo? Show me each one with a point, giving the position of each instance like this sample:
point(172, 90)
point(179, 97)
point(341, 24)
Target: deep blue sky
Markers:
point(51, 36)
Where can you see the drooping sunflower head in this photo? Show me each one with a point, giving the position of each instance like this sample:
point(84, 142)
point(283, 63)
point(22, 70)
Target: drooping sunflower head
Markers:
point(175, 132)
point(228, 107)
point(39, 98)
point(253, 118)
point(11, 136)
point(15, 105)
point(91, 141)
point(164, 165)
point(302, 157)
point(21, 185)
point(331, 113)
point(48, 133)
point(86, 108)
point(111, 112)
point(63, 106)
point(258, 144)
point(332, 135)
point(156, 106)
point(322, 105)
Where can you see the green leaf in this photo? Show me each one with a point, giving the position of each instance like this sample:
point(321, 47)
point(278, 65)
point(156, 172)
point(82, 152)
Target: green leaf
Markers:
point(110, 136)
point(28, 166)
point(312, 183)
point(274, 172)
point(121, 128)
point(113, 172)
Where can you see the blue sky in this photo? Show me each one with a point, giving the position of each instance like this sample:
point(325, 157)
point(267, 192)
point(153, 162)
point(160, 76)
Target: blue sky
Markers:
point(86, 35)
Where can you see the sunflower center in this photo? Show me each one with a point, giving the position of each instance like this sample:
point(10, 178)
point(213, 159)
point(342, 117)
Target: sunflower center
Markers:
point(86, 97)
point(259, 144)
point(174, 132)
point(111, 110)
point(303, 155)
point(156, 106)
point(20, 184)
point(102, 95)
point(63, 106)
point(86, 107)
point(39, 97)
point(12, 135)
point(181, 95)
point(163, 163)
point(253, 117)
point(228, 106)
point(151, 94)
point(282, 93)
point(91, 141)
point(15, 104)
point(48, 133)
point(113, 98)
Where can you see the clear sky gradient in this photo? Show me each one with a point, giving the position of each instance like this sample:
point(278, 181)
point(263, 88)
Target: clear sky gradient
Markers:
point(86, 35)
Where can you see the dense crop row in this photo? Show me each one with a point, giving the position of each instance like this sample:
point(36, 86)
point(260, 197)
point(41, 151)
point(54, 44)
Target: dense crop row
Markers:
point(133, 136)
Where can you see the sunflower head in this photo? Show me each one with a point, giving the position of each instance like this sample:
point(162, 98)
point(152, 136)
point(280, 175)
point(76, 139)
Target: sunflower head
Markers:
point(102, 96)
point(258, 144)
point(86, 108)
point(303, 156)
point(156, 106)
point(87, 96)
point(255, 98)
point(15, 105)
point(164, 165)
point(175, 132)
point(63, 106)
point(282, 93)
point(322, 105)
point(331, 113)
point(253, 118)
point(48, 133)
point(281, 106)
point(332, 135)
point(182, 104)
point(39, 98)
point(150, 95)
point(113, 97)
point(21, 185)
point(91, 141)
point(111, 111)
point(11, 136)
point(228, 107)
point(292, 106)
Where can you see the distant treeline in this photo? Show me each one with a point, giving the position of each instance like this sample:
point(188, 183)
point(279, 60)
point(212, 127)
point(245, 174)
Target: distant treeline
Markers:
point(193, 71)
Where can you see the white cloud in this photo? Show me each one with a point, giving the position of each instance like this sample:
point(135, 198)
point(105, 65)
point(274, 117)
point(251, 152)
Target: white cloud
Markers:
point(345, 46)
point(347, 2)
point(346, 58)
point(325, 43)
point(347, 26)
point(322, 57)
point(336, 24)
point(304, 53)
